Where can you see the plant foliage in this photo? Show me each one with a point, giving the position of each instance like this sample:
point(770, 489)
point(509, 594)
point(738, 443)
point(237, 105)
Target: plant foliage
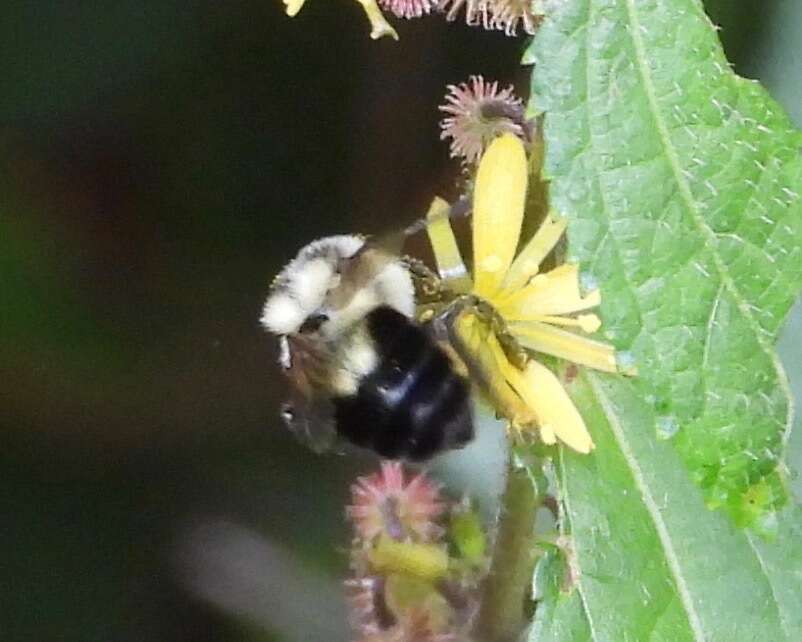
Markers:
point(681, 182)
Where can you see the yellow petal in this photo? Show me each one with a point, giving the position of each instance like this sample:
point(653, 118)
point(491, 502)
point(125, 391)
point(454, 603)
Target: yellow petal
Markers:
point(498, 209)
point(556, 292)
point(293, 6)
point(588, 323)
point(555, 412)
point(547, 435)
point(528, 261)
point(379, 26)
point(484, 357)
point(450, 265)
point(565, 345)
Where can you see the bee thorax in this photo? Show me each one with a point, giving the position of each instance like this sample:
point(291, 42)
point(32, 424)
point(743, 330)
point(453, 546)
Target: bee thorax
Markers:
point(339, 279)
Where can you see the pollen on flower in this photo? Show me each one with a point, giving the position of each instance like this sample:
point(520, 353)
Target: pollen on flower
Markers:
point(477, 112)
point(385, 504)
point(408, 8)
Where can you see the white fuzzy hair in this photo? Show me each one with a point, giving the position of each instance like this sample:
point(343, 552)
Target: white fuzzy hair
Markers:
point(300, 289)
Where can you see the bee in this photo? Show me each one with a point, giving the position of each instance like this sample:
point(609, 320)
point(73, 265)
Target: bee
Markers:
point(361, 368)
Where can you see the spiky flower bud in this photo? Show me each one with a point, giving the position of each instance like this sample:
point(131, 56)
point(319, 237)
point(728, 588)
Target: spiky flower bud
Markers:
point(475, 10)
point(413, 580)
point(502, 15)
point(507, 15)
point(408, 8)
point(385, 503)
point(477, 113)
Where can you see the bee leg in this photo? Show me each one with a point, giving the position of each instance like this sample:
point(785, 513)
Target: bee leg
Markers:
point(513, 350)
point(442, 321)
point(429, 288)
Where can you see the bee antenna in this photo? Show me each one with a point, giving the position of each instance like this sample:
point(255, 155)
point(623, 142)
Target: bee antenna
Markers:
point(457, 209)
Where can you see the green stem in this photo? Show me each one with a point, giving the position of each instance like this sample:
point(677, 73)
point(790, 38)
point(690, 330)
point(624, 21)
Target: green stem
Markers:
point(507, 588)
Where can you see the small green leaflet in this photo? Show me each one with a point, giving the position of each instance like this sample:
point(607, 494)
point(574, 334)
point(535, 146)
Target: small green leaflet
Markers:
point(681, 182)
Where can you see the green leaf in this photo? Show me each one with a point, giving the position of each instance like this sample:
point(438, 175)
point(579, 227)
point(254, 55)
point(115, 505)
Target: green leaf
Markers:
point(682, 182)
point(654, 563)
point(558, 617)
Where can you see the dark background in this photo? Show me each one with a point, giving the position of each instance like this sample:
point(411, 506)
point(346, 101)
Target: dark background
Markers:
point(159, 162)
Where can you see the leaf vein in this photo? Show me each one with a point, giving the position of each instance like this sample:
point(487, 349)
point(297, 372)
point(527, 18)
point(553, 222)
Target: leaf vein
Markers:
point(765, 571)
point(711, 322)
point(652, 508)
point(693, 209)
point(591, 146)
point(566, 501)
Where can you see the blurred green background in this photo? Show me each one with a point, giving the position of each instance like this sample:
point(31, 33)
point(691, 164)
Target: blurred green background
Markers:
point(160, 161)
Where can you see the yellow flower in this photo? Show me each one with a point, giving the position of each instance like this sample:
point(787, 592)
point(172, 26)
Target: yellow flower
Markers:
point(519, 307)
point(379, 27)
point(293, 6)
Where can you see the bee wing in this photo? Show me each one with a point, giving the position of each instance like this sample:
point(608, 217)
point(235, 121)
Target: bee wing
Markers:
point(311, 420)
point(309, 412)
point(399, 242)
point(410, 246)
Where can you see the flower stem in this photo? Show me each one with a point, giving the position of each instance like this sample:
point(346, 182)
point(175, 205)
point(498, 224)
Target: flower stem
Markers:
point(503, 614)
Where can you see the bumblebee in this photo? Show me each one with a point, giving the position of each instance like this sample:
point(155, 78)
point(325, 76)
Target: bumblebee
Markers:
point(361, 367)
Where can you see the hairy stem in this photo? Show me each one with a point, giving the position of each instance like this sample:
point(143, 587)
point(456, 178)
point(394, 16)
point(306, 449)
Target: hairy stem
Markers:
point(506, 591)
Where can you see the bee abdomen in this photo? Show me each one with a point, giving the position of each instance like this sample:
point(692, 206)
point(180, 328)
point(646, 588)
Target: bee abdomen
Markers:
point(412, 405)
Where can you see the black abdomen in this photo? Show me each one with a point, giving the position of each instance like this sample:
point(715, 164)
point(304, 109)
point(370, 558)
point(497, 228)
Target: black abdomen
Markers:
point(413, 404)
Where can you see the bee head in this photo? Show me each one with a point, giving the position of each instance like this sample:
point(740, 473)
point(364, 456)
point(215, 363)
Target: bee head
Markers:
point(332, 284)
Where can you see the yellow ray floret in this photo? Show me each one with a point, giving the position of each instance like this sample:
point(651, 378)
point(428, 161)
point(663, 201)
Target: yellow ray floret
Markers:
point(554, 293)
point(556, 413)
point(529, 398)
point(498, 211)
point(293, 6)
point(379, 27)
point(488, 365)
point(450, 265)
point(527, 263)
point(542, 337)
